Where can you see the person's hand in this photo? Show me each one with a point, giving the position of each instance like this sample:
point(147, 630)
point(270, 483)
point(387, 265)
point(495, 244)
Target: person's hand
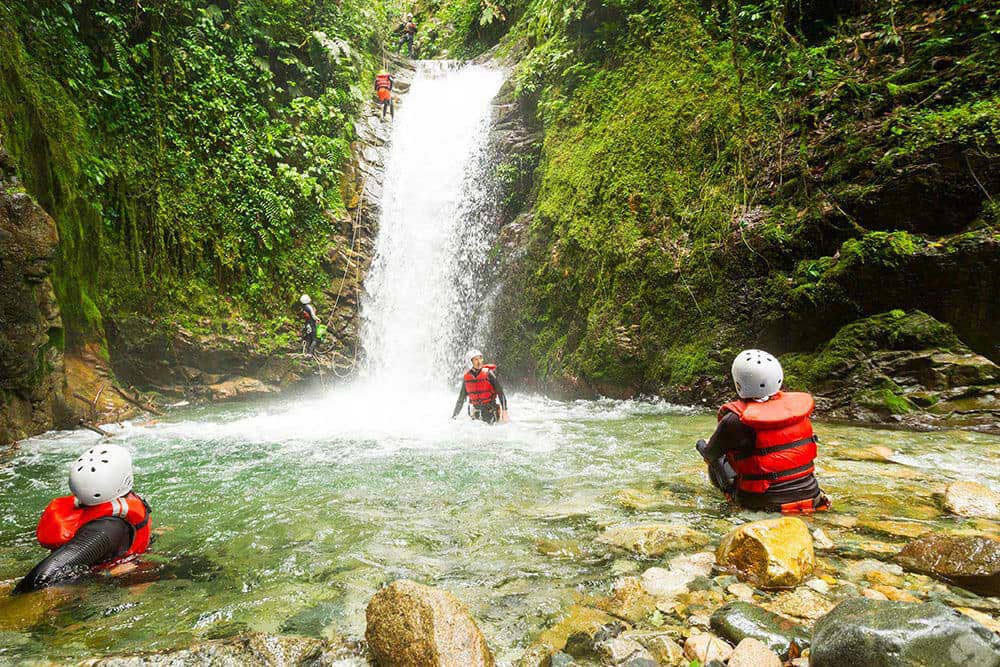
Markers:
point(504, 417)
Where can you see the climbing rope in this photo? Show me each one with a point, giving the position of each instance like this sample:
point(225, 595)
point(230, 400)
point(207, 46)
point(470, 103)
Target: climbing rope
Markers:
point(357, 278)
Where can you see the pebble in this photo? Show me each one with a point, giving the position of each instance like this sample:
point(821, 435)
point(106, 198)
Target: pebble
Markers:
point(819, 586)
point(872, 594)
point(822, 540)
point(752, 652)
point(741, 591)
point(893, 593)
point(707, 647)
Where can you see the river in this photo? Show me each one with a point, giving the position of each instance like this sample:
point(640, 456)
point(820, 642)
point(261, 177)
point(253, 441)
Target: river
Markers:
point(287, 516)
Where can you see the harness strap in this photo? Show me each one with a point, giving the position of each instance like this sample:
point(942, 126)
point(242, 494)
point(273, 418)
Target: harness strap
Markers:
point(773, 476)
point(149, 510)
point(742, 456)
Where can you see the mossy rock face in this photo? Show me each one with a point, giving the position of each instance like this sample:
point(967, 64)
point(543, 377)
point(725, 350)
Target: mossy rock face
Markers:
point(896, 365)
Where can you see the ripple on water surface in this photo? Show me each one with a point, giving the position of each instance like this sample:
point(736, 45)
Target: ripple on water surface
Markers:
point(288, 517)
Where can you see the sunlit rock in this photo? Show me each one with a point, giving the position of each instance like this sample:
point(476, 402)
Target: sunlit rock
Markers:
point(654, 539)
point(411, 625)
point(972, 499)
point(773, 553)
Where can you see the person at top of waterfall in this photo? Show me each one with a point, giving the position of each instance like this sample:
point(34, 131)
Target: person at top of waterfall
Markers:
point(310, 325)
point(407, 30)
point(102, 524)
point(761, 454)
point(482, 389)
point(383, 91)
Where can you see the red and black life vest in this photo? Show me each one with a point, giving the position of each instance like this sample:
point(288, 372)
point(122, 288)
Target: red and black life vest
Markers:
point(62, 519)
point(383, 81)
point(785, 445)
point(478, 387)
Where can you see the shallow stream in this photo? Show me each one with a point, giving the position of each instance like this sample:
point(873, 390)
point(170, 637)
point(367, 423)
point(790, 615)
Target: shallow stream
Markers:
point(288, 517)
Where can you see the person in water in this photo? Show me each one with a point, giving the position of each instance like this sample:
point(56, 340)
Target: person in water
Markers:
point(383, 91)
point(761, 454)
point(407, 30)
point(482, 388)
point(310, 325)
point(102, 524)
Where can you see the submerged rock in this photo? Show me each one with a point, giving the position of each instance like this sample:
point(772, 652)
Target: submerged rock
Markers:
point(628, 600)
point(969, 561)
point(774, 553)
point(577, 620)
point(803, 603)
point(753, 653)
point(255, 650)
point(868, 633)
point(739, 620)
point(625, 653)
point(653, 539)
point(411, 625)
point(972, 499)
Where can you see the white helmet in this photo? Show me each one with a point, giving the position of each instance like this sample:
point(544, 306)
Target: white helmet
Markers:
point(757, 374)
point(101, 475)
point(472, 354)
point(304, 299)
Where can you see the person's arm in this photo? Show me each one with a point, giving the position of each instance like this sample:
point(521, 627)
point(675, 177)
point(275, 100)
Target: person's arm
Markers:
point(460, 403)
point(498, 388)
point(97, 542)
point(729, 435)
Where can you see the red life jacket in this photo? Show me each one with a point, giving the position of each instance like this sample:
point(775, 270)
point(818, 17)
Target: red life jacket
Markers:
point(478, 387)
point(383, 81)
point(62, 519)
point(785, 446)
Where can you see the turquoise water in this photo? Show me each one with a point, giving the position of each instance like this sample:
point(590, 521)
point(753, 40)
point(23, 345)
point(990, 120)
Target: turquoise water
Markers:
point(288, 517)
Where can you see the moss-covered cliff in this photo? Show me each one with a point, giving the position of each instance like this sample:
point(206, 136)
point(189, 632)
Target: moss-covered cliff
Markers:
point(196, 158)
point(721, 175)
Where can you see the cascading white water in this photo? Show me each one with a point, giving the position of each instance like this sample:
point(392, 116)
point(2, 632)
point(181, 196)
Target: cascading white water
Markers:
point(430, 245)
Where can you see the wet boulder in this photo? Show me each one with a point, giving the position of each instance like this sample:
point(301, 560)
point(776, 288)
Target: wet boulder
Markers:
point(739, 620)
point(411, 625)
point(972, 499)
point(969, 561)
point(872, 633)
point(774, 553)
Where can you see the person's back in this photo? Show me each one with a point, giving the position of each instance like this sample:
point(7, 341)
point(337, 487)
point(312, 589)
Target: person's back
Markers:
point(762, 452)
point(103, 523)
point(310, 323)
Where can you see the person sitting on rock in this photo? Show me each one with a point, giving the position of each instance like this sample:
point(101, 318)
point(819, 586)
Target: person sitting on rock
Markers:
point(383, 91)
point(103, 524)
point(310, 326)
point(407, 30)
point(482, 388)
point(761, 454)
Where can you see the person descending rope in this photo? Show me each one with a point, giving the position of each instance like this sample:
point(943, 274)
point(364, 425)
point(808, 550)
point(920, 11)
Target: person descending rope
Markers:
point(310, 326)
point(482, 388)
point(761, 454)
point(383, 91)
point(103, 524)
point(407, 30)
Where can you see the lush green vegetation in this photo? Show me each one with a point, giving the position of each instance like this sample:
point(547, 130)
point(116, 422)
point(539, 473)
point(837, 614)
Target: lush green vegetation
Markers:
point(746, 171)
point(190, 151)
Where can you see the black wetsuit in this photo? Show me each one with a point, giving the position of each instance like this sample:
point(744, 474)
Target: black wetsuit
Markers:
point(309, 327)
point(489, 412)
point(732, 435)
point(408, 30)
point(98, 541)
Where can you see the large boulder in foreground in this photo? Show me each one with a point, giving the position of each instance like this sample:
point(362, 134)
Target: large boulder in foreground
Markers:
point(411, 625)
point(880, 633)
point(972, 499)
point(969, 561)
point(741, 620)
point(774, 553)
point(256, 650)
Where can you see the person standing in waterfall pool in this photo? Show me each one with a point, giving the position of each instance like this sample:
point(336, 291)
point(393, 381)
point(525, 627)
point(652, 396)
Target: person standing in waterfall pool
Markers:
point(311, 324)
point(383, 91)
point(762, 452)
point(101, 525)
point(482, 389)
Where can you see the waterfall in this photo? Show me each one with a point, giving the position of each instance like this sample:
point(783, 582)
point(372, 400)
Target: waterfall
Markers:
point(420, 297)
